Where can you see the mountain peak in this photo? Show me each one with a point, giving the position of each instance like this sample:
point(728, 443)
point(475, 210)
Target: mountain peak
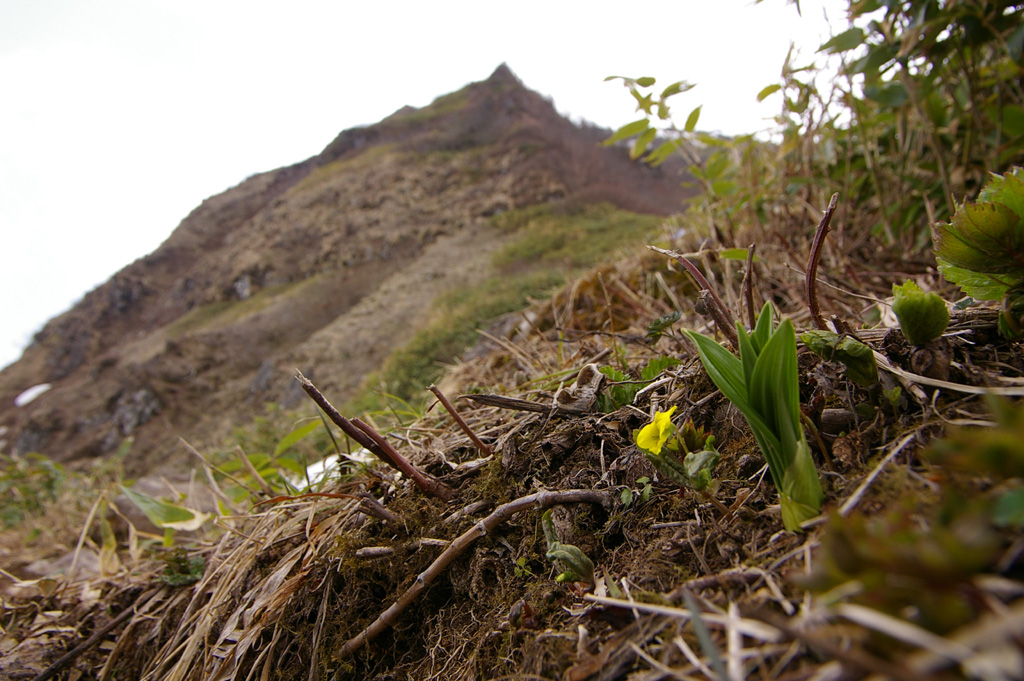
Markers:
point(504, 75)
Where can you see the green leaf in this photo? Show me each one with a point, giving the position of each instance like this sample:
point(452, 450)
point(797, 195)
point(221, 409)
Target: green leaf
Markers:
point(763, 328)
point(292, 466)
point(645, 81)
point(986, 239)
point(578, 566)
point(724, 187)
point(861, 365)
point(736, 254)
point(628, 130)
point(724, 369)
point(656, 365)
point(676, 88)
point(716, 164)
point(643, 102)
point(1007, 190)
point(660, 325)
point(980, 285)
point(166, 515)
point(698, 466)
point(642, 142)
point(691, 120)
point(1009, 509)
point(891, 95)
point(1012, 120)
point(845, 41)
point(289, 440)
point(662, 152)
point(626, 497)
point(769, 90)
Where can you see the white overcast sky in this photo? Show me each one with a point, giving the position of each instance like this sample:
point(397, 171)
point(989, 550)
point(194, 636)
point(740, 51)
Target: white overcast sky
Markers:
point(118, 117)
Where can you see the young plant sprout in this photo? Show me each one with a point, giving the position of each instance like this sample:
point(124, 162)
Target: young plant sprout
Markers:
point(763, 384)
point(923, 316)
point(575, 565)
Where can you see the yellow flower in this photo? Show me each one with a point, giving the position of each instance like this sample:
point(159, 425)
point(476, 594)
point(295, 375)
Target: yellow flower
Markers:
point(655, 434)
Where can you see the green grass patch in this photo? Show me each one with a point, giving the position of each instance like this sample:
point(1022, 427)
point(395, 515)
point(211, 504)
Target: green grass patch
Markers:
point(445, 104)
point(549, 237)
point(551, 245)
point(225, 312)
point(369, 156)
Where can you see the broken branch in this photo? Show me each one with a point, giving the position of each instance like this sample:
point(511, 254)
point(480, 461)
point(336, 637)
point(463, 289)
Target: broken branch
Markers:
point(480, 445)
point(541, 500)
point(810, 283)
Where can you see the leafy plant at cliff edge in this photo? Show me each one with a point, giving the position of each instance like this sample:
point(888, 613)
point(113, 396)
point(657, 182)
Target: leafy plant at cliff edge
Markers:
point(982, 248)
point(763, 384)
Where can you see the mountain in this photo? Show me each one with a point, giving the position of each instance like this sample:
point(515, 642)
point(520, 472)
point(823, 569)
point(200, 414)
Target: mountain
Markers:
point(329, 265)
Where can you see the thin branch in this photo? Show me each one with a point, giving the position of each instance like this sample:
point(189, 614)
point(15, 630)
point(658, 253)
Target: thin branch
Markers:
point(67, 658)
point(334, 415)
point(393, 458)
point(810, 288)
point(540, 500)
point(480, 445)
point(718, 310)
point(748, 287)
point(373, 442)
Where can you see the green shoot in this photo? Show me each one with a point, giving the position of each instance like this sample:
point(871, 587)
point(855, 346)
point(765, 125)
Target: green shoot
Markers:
point(763, 384)
point(575, 564)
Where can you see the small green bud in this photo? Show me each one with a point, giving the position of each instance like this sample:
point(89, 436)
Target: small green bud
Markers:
point(923, 316)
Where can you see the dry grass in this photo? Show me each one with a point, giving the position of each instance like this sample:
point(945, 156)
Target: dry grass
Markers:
point(682, 591)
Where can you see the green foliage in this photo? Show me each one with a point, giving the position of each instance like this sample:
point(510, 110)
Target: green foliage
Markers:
point(165, 515)
point(996, 453)
point(982, 248)
point(521, 569)
point(662, 324)
point(928, 102)
point(27, 484)
point(763, 384)
point(923, 316)
point(861, 366)
point(548, 237)
point(626, 496)
point(575, 564)
point(903, 558)
point(920, 559)
point(180, 570)
point(621, 389)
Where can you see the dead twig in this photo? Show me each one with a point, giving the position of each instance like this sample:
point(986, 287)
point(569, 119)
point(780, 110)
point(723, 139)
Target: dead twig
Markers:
point(539, 500)
point(748, 287)
point(719, 312)
point(513, 403)
point(373, 442)
point(810, 288)
point(391, 456)
point(480, 445)
point(67, 658)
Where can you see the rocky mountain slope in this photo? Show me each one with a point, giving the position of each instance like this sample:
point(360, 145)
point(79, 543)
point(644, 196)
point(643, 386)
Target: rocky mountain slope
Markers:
point(328, 265)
